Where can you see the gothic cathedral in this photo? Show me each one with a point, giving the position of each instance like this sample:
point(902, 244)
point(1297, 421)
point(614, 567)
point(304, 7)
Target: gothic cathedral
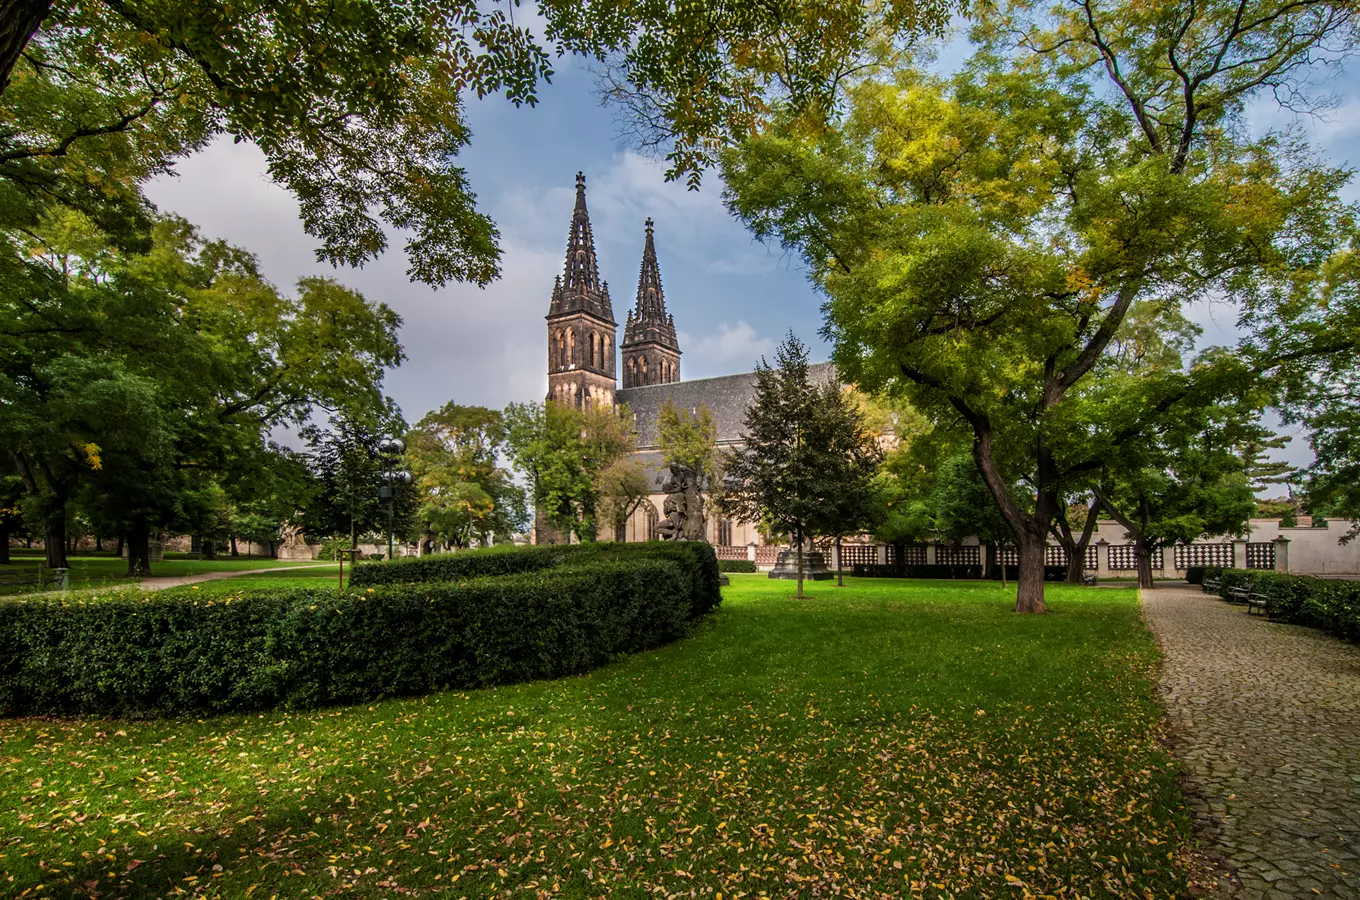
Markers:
point(582, 367)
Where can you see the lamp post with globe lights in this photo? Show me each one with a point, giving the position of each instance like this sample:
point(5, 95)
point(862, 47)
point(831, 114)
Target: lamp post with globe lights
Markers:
point(390, 448)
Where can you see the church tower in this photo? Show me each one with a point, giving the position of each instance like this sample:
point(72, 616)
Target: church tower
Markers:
point(651, 354)
point(581, 368)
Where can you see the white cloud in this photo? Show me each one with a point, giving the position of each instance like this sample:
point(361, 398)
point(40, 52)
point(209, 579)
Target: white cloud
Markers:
point(728, 348)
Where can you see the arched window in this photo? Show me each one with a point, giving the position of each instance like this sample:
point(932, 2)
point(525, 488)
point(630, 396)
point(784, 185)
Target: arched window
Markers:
point(561, 359)
point(725, 532)
point(592, 348)
point(643, 369)
point(632, 371)
point(652, 519)
point(571, 346)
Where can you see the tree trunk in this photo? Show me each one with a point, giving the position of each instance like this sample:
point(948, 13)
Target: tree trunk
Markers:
point(98, 544)
point(195, 544)
point(1143, 553)
point(4, 540)
point(120, 546)
point(234, 551)
point(273, 551)
point(840, 580)
point(209, 550)
point(54, 542)
point(139, 548)
point(1030, 586)
point(19, 19)
point(800, 564)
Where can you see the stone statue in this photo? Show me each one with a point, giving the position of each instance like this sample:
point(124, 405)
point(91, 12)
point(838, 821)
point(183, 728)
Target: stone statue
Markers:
point(683, 511)
point(292, 543)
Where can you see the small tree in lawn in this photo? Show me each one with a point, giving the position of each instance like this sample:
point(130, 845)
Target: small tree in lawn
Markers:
point(852, 502)
point(689, 438)
point(791, 463)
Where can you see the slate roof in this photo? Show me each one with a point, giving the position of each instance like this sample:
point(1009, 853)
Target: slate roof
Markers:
point(726, 397)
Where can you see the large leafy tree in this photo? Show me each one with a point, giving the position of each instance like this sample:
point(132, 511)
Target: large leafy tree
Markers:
point(465, 496)
point(1182, 481)
point(146, 373)
point(356, 104)
point(983, 237)
point(562, 453)
point(345, 467)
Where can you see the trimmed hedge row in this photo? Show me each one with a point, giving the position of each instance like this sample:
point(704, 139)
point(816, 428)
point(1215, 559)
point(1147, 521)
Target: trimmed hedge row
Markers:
point(736, 565)
point(1330, 604)
point(179, 652)
point(697, 560)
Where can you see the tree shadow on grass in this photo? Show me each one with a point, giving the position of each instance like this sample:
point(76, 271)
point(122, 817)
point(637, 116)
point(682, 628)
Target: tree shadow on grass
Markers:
point(185, 862)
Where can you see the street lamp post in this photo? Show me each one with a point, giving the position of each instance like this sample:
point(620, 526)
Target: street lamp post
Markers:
point(390, 448)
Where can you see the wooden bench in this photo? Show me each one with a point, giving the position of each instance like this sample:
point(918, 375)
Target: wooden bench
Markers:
point(34, 576)
point(1237, 595)
point(1258, 602)
point(1088, 579)
point(1211, 585)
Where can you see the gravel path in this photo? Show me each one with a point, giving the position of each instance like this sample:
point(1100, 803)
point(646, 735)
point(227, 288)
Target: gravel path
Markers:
point(1265, 719)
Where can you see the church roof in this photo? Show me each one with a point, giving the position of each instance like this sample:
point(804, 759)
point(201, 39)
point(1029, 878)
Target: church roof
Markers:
point(579, 288)
point(648, 321)
point(726, 397)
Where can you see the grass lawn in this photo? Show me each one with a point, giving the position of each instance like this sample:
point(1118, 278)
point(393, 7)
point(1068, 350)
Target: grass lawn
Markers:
point(885, 739)
point(111, 571)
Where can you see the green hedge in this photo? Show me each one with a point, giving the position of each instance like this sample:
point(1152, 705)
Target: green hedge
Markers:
point(736, 565)
point(696, 558)
point(1330, 604)
point(180, 652)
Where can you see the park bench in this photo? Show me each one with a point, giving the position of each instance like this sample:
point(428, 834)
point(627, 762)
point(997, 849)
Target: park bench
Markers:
point(1238, 595)
point(1257, 603)
point(1088, 579)
point(34, 576)
point(1211, 585)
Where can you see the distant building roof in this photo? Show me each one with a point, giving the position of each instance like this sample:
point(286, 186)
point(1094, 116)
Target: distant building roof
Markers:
point(726, 397)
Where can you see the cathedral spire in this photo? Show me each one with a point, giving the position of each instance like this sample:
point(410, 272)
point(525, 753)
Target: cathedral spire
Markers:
point(582, 270)
point(580, 288)
point(648, 321)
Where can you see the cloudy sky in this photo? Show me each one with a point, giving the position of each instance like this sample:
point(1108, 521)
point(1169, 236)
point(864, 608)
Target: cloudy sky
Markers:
point(733, 299)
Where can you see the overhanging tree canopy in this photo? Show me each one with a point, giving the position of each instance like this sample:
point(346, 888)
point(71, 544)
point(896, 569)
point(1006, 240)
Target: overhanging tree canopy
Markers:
point(982, 238)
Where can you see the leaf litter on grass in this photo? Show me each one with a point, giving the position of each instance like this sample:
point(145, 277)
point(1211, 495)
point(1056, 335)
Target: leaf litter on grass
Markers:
point(912, 743)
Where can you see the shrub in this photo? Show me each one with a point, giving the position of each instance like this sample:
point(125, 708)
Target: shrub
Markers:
point(1195, 575)
point(696, 558)
point(736, 565)
point(1332, 605)
point(179, 652)
point(454, 566)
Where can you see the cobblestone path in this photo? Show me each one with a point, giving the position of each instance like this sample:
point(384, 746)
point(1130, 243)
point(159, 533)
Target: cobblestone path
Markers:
point(1265, 720)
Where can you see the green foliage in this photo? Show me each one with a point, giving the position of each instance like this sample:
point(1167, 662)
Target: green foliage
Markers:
point(689, 438)
point(1072, 696)
point(356, 105)
point(563, 453)
point(697, 562)
point(736, 565)
point(146, 382)
point(181, 652)
point(464, 496)
point(1332, 605)
point(807, 462)
point(692, 76)
point(984, 238)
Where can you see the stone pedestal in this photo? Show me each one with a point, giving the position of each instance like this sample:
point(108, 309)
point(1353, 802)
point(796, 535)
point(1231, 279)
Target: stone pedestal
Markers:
point(814, 565)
